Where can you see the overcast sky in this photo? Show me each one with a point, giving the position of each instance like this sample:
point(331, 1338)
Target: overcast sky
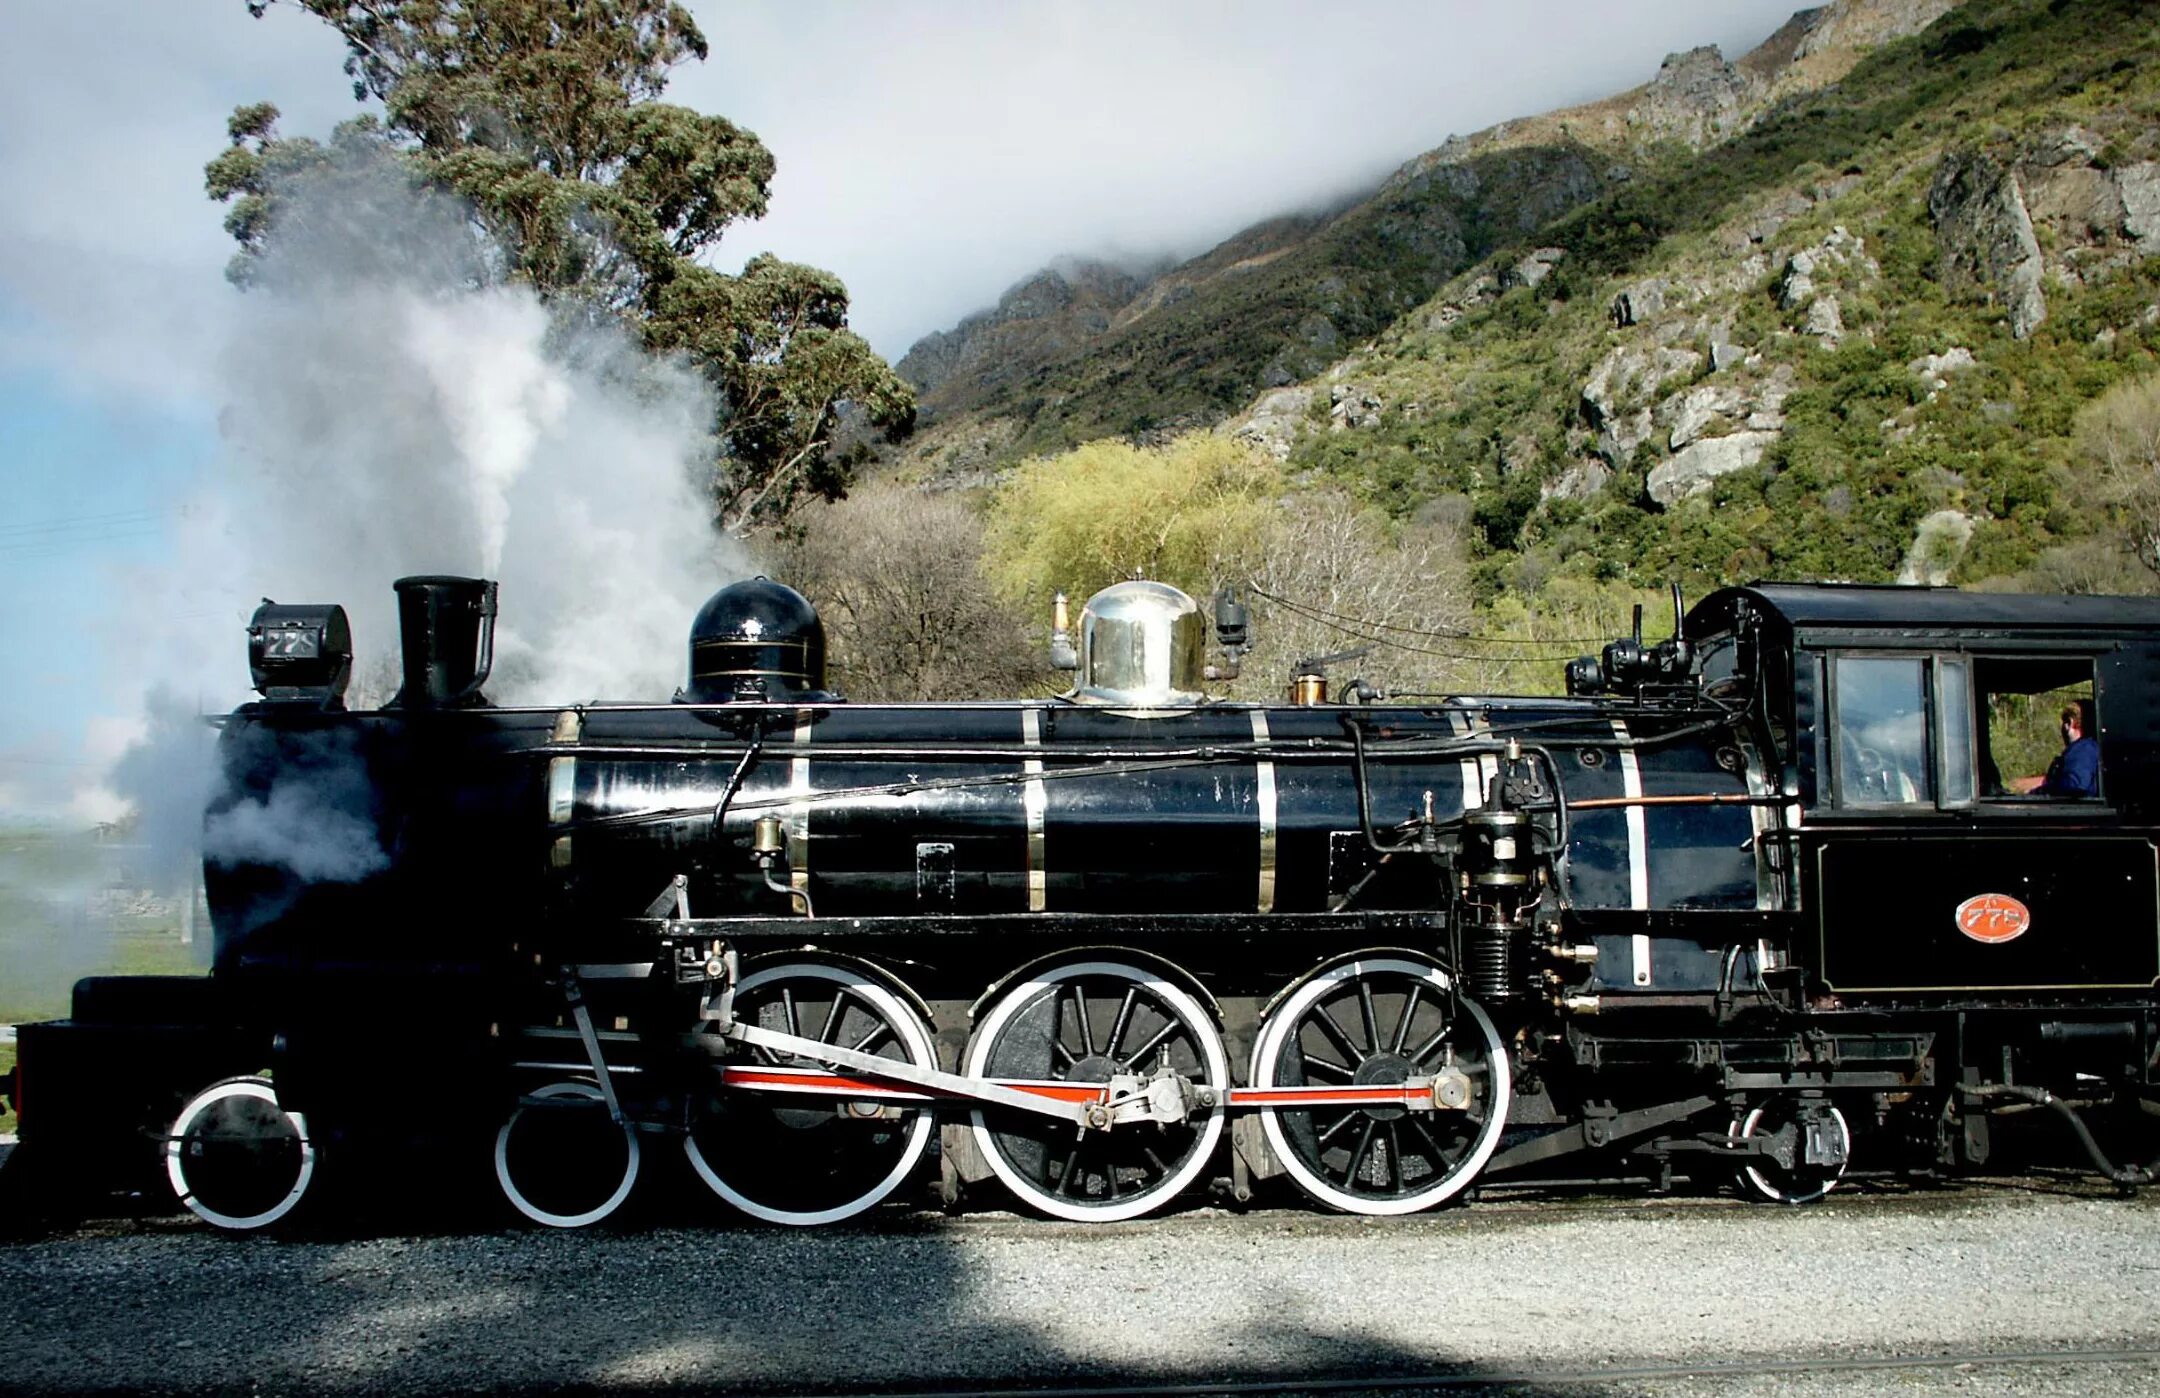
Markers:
point(935, 153)
point(929, 153)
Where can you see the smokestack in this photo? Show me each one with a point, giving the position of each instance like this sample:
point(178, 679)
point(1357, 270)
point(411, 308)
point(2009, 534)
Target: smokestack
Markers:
point(447, 628)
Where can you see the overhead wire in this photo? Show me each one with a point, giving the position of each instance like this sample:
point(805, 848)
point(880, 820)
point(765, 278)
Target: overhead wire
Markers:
point(1452, 633)
point(35, 526)
point(1328, 620)
point(46, 537)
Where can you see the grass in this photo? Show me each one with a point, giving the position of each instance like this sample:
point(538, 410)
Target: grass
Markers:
point(72, 907)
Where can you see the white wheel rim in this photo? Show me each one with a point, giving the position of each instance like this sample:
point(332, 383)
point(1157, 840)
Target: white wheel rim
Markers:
point(1771, 1192)
point(1196, 1022)
point(533, 1211)
point(176, 1163)
point(1273, 1038)
point(907, 1027)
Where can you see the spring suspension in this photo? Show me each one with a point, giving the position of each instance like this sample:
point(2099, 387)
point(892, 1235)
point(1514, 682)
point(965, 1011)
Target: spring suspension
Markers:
point(1494, 951)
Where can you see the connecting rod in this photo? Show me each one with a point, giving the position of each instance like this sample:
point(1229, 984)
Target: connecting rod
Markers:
point(1125, 1097)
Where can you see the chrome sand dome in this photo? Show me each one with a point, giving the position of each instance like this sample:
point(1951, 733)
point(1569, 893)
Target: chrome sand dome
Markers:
point(1141, 646)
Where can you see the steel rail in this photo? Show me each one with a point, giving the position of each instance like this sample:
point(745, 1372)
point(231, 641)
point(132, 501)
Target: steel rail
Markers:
point(1466, 1378)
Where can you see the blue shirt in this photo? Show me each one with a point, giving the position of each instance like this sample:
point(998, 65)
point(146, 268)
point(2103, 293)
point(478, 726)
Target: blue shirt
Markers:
point(2076, 772)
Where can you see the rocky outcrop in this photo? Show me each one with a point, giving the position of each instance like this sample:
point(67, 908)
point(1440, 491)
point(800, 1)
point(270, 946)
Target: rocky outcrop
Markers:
point(1688, 417)
point(1697, 98)
point(1640, 303)
point(1839, 253)
point(1934, 370)
point(1625, 401)
point(1580, 480)
point(1819, 46)
point(1353, 407)
point(1825, 321)
point(1615, 402)
point(2139, 186)
point(1986, 235)
point(1990, 212)
point(2062, 186)
point(1938, 545)
point(1533, 269)
point(1859, 25)
point(1692, 470)
point(2094, 211)
point(1048, 315)
point(1272, 422)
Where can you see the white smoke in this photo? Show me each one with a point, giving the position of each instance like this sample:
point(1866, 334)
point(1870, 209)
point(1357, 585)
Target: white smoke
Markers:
point(394, 413)
point(317, 822)
point(497, 409)
point(169, 773)
point(394, 429)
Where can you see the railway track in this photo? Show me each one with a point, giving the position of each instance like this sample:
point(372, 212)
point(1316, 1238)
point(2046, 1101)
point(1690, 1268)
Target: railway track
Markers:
point(2034, 1287)
point(1868, 1372)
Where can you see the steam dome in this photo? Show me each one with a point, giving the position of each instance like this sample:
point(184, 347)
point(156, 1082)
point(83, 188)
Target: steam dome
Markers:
point(754, 640)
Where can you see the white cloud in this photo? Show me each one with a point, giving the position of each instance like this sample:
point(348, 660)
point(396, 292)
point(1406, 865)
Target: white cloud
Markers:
point(929, 153)
point(110, 252)
point(932, 154)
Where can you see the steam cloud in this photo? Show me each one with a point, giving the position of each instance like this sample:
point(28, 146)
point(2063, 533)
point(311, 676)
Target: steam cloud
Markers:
point(394, 411)
point(316, 822)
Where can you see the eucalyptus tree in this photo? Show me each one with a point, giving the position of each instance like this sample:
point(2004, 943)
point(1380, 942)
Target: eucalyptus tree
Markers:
point(542, 120)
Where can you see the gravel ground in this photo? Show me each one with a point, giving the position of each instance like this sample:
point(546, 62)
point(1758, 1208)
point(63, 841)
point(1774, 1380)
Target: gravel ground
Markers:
point(1511, 1291)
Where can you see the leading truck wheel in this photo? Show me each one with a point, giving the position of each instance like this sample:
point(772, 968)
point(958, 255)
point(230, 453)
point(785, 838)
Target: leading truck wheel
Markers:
point(562, 1160)
point(1084, 1023)
point(1805, 1146)
point(1381, 1021)
point(236, 1158)
point(799, 1158)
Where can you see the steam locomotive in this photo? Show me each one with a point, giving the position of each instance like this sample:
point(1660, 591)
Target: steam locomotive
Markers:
point(1757, 900)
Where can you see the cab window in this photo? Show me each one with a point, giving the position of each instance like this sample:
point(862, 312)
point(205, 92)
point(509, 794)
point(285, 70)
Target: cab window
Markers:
point(1882, 756)
point(2022, 703)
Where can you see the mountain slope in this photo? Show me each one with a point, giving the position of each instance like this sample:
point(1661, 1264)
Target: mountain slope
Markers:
point(1081, 350)
point(1850, 342)
point(1843, 328)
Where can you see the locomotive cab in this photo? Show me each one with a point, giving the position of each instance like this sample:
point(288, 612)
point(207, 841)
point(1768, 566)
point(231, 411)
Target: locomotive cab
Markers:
point(1939, 846)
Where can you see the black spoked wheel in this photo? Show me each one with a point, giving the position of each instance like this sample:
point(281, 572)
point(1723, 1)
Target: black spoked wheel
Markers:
point(807, 1157)
point(1805, 1143)
point(1086, 1022)
point(562, 1160)
point(1381, 1021)
point(236, 1158)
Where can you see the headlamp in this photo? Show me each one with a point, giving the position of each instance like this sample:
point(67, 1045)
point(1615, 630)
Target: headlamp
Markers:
point(300, 653)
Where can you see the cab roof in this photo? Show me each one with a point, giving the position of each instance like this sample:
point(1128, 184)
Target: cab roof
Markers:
point(1877, 607)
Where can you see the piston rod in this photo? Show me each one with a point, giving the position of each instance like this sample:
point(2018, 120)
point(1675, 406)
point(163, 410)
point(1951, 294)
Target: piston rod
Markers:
point(1124, 1097)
